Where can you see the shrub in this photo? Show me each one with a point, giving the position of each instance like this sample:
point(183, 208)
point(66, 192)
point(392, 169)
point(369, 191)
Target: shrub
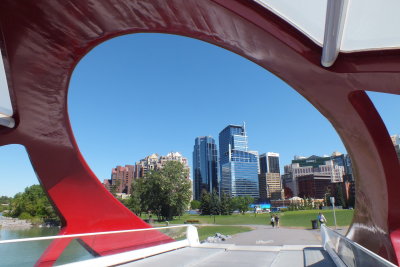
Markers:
point(25, 216)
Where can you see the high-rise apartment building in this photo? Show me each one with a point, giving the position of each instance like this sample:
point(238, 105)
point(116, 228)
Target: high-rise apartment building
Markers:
point(270, 185)
point(156, 162)
point(205, 166)
point(121, 179)
point(396, 143)
point(147, 164)
point(395, 139)
point(238, 166)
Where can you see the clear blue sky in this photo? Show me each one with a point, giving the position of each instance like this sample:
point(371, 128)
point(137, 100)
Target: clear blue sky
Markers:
point(153, 93)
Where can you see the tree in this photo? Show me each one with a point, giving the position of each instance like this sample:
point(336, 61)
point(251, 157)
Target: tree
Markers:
point(195, 204)
point(288, 192)
point(4, 203)
point(205, 203)
point(226, 204)
point(134, 202)
point(351, 201)
point(115, 187)
point(33, 204)
point(339, 196)
point(5, 200)
point(327, 196)
point(242, 203)
point(214, 204)
point(167, 191)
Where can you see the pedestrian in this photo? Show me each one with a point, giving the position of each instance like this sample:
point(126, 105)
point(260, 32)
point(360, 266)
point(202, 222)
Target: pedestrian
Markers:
point(321, 218)
point(276, 221)
point(272, 221)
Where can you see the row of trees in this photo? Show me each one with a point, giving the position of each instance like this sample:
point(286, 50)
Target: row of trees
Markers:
point(336, 191)
point(212, 204)
point(165, 192)
point(4, 202)
point(340, 200)
point(32, 204)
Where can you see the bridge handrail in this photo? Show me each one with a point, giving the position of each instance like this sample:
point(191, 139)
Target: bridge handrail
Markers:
point(190, 238)
point(86, 234)
point(347, 253)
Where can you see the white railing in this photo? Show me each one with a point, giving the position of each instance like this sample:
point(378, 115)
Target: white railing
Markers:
point(186, 234)
point(347, 253)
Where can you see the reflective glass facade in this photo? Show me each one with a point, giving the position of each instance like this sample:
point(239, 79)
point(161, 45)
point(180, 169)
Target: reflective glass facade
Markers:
point(269, 162)
point(273, 163)
point(205, 166)
point(239, 167)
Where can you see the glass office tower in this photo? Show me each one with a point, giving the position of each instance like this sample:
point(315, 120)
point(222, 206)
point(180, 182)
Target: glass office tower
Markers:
point(205, 166)
point(238, 166)
point(269, 162)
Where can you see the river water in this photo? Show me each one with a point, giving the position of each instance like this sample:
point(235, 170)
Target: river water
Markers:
point(27, 253)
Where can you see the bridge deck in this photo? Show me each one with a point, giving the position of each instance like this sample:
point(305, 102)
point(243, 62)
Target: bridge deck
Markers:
point(211, 255)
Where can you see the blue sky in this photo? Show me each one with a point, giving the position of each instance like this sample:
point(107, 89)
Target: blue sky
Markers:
point(152, 93)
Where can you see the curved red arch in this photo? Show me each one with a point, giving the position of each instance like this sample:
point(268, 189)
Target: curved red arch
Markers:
point(43, 41)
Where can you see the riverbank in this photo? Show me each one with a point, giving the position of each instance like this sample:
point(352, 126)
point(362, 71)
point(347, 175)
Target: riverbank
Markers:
point(13, 223)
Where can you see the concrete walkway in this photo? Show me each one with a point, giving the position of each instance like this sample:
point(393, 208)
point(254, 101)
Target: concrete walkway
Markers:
point(264, 246)
point(265, 235)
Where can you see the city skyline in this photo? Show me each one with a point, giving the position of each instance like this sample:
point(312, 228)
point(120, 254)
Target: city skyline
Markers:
point(130, 117)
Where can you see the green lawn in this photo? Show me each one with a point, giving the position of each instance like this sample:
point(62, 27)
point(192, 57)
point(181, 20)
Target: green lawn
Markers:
point(303, 218)
point(234, 219)
point(289, 218)
point(206, 231)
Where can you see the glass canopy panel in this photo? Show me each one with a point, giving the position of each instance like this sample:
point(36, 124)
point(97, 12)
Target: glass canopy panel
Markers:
point(5, 101)
point(369, 24)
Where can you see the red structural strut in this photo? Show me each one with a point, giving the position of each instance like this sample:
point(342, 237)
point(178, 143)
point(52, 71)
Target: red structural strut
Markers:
point(43, 40)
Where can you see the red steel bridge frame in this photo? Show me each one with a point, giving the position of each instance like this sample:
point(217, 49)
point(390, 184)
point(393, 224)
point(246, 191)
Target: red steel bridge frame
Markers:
point(43, 40)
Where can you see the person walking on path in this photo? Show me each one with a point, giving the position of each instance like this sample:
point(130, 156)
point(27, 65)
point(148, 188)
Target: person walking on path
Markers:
point(276, 221)
point(321, 218)
point(272, 221)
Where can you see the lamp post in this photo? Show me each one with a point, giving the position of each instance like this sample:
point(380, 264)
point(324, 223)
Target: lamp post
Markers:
point(333, 206)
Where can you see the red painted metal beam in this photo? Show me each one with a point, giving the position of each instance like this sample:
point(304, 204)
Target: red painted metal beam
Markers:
point(43, 40)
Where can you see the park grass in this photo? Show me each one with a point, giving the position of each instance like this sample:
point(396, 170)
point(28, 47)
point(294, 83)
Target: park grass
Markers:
point(234, 219)
point(206, 231)
point(301, 219)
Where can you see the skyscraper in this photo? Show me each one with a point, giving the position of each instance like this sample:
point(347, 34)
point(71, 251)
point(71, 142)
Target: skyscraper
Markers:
point(270, 184)
point(205, 166)
point(269, 162)
point(238, 166)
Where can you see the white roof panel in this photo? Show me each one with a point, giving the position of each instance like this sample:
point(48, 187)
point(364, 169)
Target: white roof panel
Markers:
point(369, 24)
point(308, 16)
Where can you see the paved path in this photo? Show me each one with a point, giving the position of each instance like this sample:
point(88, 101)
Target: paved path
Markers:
point(264, 235)
point(264, 246)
